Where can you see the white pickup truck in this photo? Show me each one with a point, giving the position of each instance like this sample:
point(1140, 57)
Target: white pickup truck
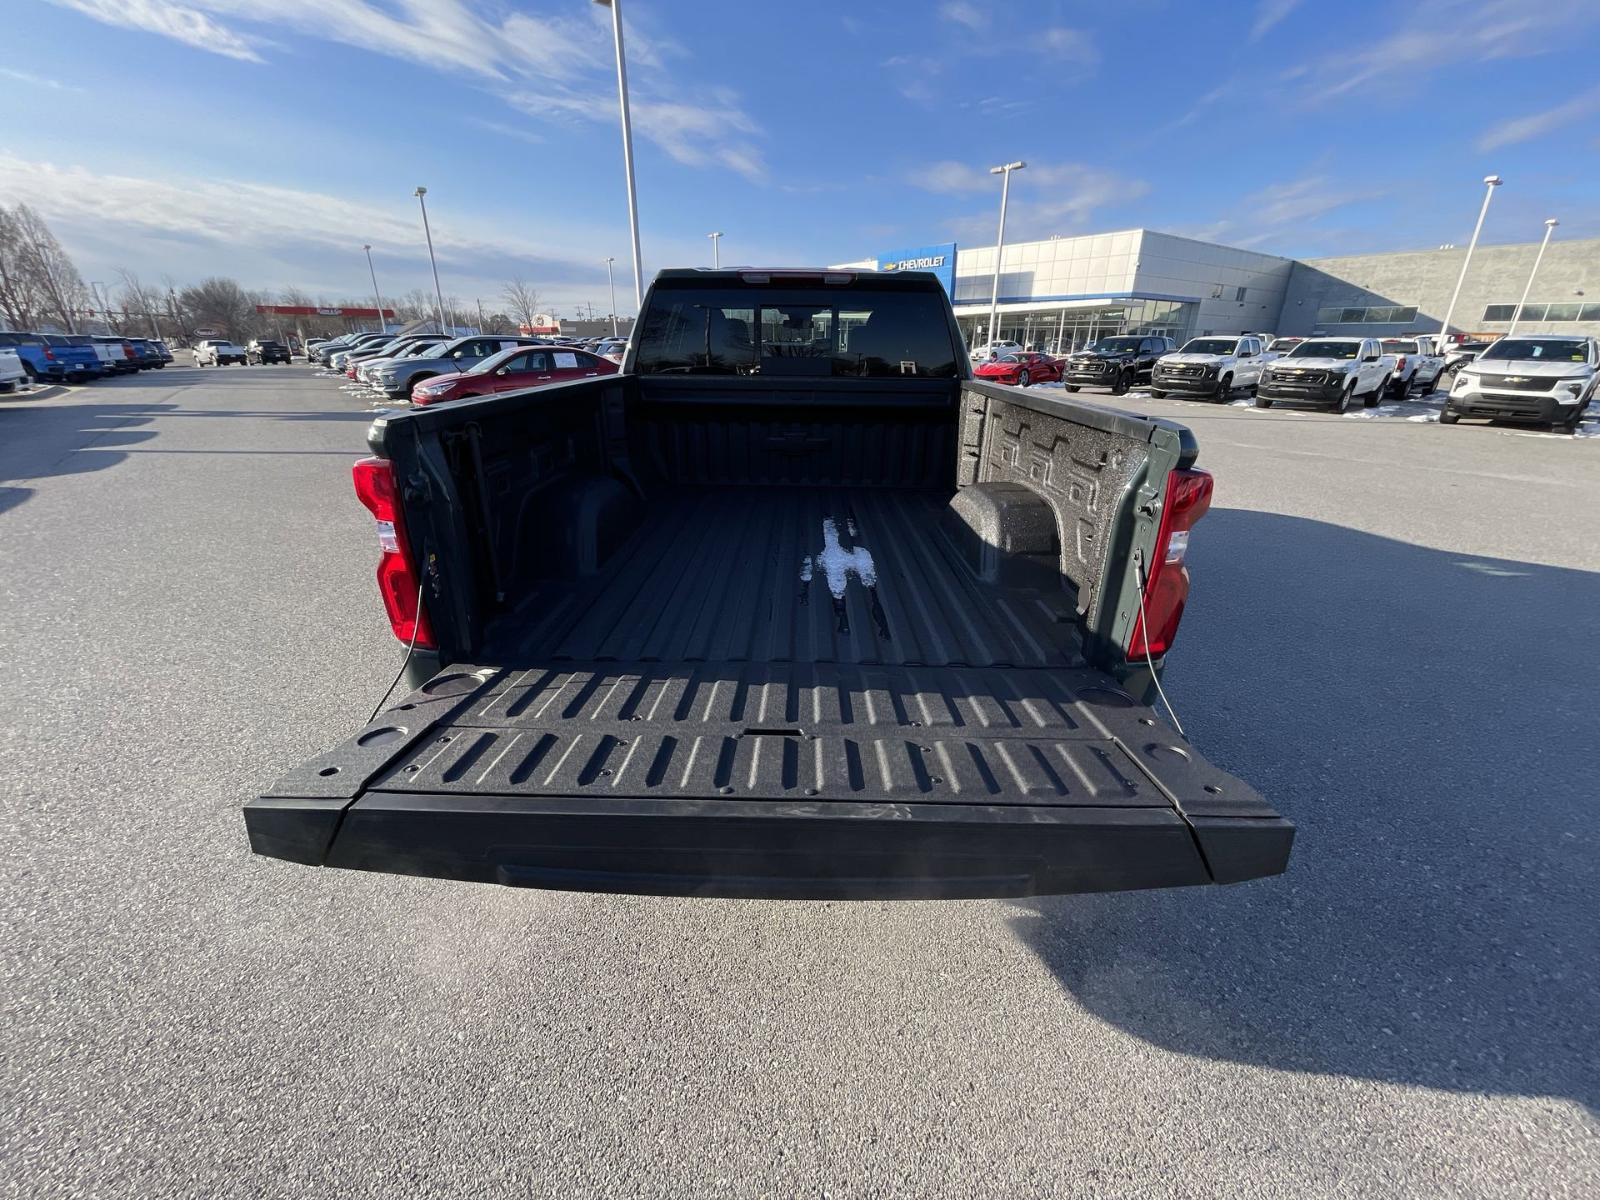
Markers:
point(1328, 371)
point(1415, 365)
point(1213, 367)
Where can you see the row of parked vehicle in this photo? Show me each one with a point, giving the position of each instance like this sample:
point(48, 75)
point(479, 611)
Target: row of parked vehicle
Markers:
point(1547, 379)
point(46, 358)
point(430, 368)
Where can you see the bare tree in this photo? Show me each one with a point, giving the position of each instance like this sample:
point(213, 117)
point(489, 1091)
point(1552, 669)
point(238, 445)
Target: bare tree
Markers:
point(19, 299)
point(221, 304)
point(522, 300)
point(58, 289)
point(139, 303)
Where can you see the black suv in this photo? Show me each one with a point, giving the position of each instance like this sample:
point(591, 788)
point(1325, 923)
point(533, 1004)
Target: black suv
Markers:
point(266, 351)
point(1117, 363)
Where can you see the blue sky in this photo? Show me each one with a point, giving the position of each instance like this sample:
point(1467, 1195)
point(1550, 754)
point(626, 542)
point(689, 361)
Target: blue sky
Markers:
point(268, 139)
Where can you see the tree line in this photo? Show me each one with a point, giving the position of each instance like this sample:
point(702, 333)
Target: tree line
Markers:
point(42, 290)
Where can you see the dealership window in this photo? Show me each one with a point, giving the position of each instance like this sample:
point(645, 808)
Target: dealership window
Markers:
point(1375, 315)
point(1239, 295)
point(1543, 312)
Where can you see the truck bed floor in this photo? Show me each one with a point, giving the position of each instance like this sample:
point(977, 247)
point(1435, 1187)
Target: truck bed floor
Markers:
point(743, 575)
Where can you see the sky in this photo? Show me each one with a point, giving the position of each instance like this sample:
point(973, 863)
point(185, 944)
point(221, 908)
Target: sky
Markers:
point(268, 140)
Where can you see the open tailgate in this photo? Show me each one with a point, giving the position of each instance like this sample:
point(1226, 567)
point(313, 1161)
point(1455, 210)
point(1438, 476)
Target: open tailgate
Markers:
point(743, 779)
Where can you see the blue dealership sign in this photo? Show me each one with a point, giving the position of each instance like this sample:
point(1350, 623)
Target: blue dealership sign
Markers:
point(941, 260)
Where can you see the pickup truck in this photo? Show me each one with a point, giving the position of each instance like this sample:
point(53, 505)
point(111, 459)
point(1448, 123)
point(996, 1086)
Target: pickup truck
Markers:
point(1416, 366)
point(12, 377)
point(792, 606)
point(78, 354)
point(1118, 363)
point(1211, 367)
point(1549, 378)
point(1330, 372)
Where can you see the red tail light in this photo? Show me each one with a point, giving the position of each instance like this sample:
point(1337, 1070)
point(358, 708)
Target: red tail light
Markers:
point(398, 577)
point(1400, 363)
point(48, 354)
point(1166, 584)
point(127, 351)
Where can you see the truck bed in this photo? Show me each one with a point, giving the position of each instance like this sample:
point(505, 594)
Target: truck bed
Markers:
point(715, 574)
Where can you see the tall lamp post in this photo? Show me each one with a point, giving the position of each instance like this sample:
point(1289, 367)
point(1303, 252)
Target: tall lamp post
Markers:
point(627, 149)
point(612, 284)
point(1549, 228)
point(1490, 183)
point(716, 252)
point(438, 292)
point(1004, 171)
point(377, 297)
point(102, 297)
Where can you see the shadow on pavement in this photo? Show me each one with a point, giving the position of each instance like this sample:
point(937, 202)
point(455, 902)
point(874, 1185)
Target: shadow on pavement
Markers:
point(1428, 719)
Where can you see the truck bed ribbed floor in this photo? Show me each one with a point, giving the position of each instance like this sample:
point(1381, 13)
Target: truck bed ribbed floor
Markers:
point(743, 575)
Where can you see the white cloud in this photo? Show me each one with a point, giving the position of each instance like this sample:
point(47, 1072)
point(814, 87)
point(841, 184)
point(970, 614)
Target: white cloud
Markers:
point(54, 85)
point(183, 24)
point(1477, 31)
point(963, 13)
point(1046, 198)
point(1268, 14)
point(1072, 47)
point(1280, 212)
point(542, 65)
point(1523, 129)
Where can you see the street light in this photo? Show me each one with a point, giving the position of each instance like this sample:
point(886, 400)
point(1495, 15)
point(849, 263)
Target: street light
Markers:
point(102, 297)
point(1549, 228)
point(612, 284)
point(376, 295)
point(1004, 171)
point(1490, 183)
point(627, 149)
point(438, 292)
point(716, 254)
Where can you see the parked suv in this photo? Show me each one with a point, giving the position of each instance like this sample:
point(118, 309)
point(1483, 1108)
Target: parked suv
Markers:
point(1211, 367)
point(1330, 372)
point(266, 350)
point(1117, 363)
point(218, 354)
point(1548, 378)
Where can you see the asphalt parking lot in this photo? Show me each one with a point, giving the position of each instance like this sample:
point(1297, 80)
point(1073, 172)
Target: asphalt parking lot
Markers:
point(1390, 636)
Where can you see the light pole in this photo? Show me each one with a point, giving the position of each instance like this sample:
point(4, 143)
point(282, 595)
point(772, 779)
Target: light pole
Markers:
point(1549, 228)
point(438, 292)
point(481, 321)
point(1490, 183)
point(627, 149)
point(716, 252)
point(1004, 171)
point(376, 295)
point(612, 284)
point(102, 297)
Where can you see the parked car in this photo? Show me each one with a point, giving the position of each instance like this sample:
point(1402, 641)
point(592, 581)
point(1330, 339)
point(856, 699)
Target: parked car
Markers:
point(1022, 368)
point(1416, 366)
point(1548, 378)
point(1461, 352)
point(907, 672)
point(393, 348)
point(519, 367)
point(398, 378)
point(367, 369)
point(612, 349)
point(111, 351)
point(1117, 363)
point(79, 356)
point(1281, 346)
point(1212, 367)
point(263, 351)
point(1329, 371)
point(147, 354)
point(218, 354)
point(337, 360)
point(12, 376)
point(995, 350)
point(39, 361)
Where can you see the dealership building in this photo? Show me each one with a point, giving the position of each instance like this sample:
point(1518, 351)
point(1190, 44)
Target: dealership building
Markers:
point(1063, 293)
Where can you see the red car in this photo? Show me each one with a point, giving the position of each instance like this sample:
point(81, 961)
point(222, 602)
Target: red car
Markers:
point(518, 367)
point(1022, 368)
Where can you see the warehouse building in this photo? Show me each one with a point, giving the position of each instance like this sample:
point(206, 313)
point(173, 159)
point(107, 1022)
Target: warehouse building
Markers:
point(1064, 292)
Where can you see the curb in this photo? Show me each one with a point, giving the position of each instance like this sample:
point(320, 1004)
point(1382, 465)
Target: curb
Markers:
point(37, 393)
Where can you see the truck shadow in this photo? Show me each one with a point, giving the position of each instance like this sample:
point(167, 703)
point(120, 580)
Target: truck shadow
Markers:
point(1427, 719)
